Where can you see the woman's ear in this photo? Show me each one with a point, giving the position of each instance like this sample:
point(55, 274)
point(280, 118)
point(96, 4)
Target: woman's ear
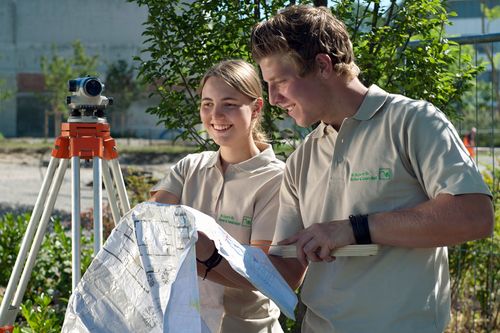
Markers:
point(257, 107)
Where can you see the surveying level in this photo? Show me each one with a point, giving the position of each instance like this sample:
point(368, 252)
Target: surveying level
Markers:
point(85, 136)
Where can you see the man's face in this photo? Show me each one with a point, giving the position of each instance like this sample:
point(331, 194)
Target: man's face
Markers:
point(299, 96)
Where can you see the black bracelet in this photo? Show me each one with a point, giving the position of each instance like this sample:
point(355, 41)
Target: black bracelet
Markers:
point(360, 228)
point(211, 262)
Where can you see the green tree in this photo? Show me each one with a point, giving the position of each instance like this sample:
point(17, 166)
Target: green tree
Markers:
point(4, 92)
point(124, 88)
point(183, 39)
point(57, 70)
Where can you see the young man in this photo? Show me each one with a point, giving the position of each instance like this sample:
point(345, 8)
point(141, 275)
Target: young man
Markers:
point(380, 168)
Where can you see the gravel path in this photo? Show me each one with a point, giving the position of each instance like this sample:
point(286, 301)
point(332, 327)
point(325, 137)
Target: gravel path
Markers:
point(21, 178)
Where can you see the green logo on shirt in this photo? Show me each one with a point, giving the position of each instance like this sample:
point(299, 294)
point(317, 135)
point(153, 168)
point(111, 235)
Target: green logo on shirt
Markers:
point(367, 175)
point(228, 219)
point(384, 174)
point(247, 220)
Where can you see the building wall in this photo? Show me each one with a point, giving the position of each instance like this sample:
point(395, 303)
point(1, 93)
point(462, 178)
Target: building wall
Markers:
point(468, 20)
point(111, 29)
point(30, 29)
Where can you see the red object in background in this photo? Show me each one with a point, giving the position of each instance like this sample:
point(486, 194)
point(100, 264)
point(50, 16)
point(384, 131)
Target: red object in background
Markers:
point(7, 329)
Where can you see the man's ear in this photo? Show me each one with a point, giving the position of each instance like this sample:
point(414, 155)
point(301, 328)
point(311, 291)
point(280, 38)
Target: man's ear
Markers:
point(324, 65)
point(257, 107)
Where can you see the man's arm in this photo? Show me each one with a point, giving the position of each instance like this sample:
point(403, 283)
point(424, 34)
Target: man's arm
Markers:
point(443, 221)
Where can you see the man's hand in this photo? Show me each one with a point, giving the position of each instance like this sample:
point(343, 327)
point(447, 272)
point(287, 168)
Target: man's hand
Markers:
point(316, 242)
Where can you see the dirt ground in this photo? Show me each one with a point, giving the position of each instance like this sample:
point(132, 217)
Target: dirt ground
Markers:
point(22, 174)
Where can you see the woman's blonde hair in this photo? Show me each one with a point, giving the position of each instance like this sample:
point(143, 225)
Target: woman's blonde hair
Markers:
point(243, 77)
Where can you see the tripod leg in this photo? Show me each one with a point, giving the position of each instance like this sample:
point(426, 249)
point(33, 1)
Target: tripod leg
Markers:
point(115, 211)
point(75, 221)
point(97, 186)
point(17, 285)
point(120, 185)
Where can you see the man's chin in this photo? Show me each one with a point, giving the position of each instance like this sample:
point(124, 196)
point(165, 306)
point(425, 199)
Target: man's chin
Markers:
point(302, 124)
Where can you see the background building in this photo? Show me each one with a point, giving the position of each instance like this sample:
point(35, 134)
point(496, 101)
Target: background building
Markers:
point(30, 29)
point(111, 29)
point(470, 19)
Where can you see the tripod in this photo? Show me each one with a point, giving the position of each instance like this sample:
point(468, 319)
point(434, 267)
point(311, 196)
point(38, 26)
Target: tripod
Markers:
point(81, 138)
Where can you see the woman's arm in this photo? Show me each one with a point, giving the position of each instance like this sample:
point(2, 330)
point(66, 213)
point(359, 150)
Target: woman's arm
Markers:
point(165, 197)
point(223, 273)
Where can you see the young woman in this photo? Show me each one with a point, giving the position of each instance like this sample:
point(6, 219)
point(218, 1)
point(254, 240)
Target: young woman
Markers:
point(238, 186)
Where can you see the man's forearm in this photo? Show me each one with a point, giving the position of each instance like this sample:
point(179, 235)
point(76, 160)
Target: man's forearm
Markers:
point(444, 221)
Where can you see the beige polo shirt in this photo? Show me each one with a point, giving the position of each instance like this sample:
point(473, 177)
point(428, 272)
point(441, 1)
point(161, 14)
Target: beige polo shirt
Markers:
point(393, 153)
point(244, 201)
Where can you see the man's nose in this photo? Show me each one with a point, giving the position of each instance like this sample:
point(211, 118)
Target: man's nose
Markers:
point(273, 95)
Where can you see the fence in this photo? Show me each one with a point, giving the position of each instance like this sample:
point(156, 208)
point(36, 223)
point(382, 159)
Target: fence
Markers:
point(475, 267)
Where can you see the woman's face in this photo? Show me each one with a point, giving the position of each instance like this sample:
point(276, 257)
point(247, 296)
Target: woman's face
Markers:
point(226, 113)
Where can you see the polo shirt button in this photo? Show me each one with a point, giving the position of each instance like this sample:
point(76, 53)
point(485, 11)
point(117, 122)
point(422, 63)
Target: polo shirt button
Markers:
point(339, 160)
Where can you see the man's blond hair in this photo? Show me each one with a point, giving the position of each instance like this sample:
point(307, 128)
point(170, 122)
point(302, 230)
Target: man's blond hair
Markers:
point(302, 32)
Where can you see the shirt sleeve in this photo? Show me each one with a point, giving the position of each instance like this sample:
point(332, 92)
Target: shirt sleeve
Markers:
point(173, 182)
point(289, 220)
point(266, 210)
point(438, 156)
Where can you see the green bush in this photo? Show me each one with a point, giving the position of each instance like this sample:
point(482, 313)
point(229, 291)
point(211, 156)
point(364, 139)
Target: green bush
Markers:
point(49, 287)
point(12, 229)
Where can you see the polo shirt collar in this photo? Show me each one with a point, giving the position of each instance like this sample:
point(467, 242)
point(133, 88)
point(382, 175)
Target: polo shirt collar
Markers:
point(214, 160)
point(373, 101)
point(319, 131)
point(265, 156)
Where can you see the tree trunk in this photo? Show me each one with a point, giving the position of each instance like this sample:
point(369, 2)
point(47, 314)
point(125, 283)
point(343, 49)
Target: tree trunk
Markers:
point(46, 124)
point(57, 123)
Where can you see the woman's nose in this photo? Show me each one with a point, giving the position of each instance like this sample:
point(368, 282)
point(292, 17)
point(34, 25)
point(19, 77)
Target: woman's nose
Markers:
point(217, 111)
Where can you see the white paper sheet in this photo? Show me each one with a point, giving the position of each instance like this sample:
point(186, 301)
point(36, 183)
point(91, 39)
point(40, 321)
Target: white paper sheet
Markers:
point(144, 279)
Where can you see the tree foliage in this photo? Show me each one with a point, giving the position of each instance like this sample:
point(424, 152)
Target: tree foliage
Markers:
point(124, 88)
point(403, 49)
point(5, 93)
point(57, 70)
point(184, 39)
